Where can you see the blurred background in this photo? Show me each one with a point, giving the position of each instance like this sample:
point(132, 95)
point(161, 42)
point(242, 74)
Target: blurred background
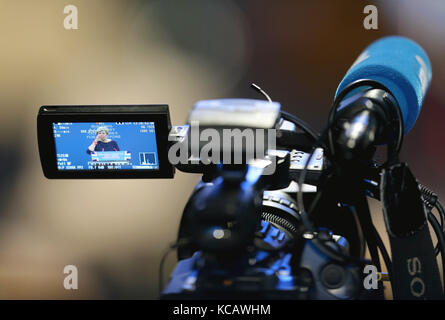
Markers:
point(173, 52)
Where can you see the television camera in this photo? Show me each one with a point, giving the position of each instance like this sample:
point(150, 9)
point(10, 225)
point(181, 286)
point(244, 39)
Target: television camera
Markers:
point(281, 210)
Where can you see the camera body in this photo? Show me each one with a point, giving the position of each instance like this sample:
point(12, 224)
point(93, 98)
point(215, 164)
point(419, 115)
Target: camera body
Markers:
point(241, 233)
point(280, 261)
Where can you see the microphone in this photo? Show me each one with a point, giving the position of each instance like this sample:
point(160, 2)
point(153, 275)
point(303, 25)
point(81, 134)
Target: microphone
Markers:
point(399, 64)
point(384, 87)
point(377, 102)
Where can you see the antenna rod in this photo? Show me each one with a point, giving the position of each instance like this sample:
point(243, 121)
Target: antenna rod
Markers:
point(257, 88)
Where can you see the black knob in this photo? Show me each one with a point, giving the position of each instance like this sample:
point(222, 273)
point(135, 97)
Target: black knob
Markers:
point(333, 276)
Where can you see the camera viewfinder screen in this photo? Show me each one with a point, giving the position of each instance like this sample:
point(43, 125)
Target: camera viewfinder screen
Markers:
point(106, 146)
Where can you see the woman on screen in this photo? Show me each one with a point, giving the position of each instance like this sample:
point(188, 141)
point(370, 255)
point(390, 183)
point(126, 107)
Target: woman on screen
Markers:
point(101, 142)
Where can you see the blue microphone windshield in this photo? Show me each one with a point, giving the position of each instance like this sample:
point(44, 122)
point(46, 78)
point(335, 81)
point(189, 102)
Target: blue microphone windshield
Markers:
point(399, 64)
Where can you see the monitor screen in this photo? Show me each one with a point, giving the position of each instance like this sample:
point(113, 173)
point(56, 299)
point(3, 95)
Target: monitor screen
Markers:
point(105, 145)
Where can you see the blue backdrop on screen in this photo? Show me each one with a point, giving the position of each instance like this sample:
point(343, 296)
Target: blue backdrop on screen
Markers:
point(136, 142)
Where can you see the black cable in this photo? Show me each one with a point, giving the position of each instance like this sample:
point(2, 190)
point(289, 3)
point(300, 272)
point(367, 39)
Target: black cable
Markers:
point(290, 117)
point(315, 201)
point(318, 143)
point(318, 139)
point(161, 268)
point(430, 200)
point(305, 215)
point(393, 152)
point(384, 252)
point(429, 197)
point(385, 256)
point(330, 152)
point(360, 234)
point(440, 238)
point(441, 211)
point(302, 177)
point(369, 231)
point(301, 124)
point(180, 243)
point(437, 247)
